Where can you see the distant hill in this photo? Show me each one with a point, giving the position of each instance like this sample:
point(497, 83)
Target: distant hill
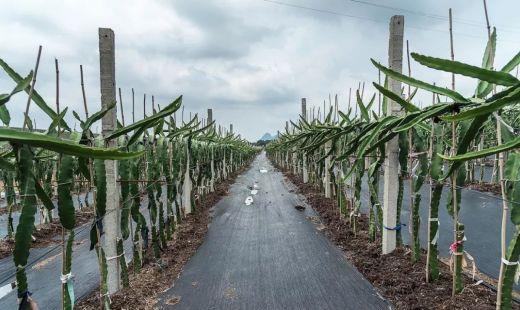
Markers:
point(267, 137)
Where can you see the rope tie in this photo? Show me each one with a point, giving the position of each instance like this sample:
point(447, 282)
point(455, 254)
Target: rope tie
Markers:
point(114, 257)
point(398, 227)
point(508, 263)
point(454, 247)
point(64, 278)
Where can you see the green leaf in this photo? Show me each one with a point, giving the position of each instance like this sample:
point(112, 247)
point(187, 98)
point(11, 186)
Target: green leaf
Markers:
point(467, 137)
point(515, 143)
point(23, 84)
point(513, 63)
point(35, 96)
point(97, 116)
point(124, 175)
point(420, 84)
point(409, 107)
point(384, 105)
point(371, 102)
point(487, 63)
point(495, 77)
point(25, 226)
point(62, 146)
point(424, 115)
point(5, 117)
point(54, 124)
point(362, 108)
point(486, 108)
point(147, 122)
point(512, 167)
point(42, 195)
point(66, 210)
point(373, 134)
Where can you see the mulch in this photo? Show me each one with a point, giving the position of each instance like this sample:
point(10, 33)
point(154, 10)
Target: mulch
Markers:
point(47, 234)
point(156, 276)
point(486, 187)
point(395, 277)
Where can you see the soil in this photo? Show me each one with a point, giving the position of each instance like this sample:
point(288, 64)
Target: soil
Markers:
point(395, 277)
point(16, 207)
point(47, 234)
point(486, 187)
point(156, 276)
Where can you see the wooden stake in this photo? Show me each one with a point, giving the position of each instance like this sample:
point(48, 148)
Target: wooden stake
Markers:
point(91, 182)
point(63, 253)
point(83, 91)
point(454, 176)
point(121, 106)
point(378, 93)
point(133, 106)
point(505, 208)
point(31, 90)
point(410, 167)
point(144, 106)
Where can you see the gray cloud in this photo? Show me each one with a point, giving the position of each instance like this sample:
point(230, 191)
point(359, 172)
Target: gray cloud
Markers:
point(250, 60)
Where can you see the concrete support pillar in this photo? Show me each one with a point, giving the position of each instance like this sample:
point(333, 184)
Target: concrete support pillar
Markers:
point(326, 181)
point(109, 122)
point(212, 164)
point(305, 170)
point(187, 185)
point(395, 62)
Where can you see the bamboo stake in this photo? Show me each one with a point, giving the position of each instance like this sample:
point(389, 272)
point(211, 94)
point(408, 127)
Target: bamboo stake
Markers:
point(454, 176)
point(121, 106)
point(430, 154)
point(349, 95)
point(133, 106)
point(83, 91)
point(31, 90)
point(144, 106)
point(410, 168)
point(379, 93)
point(63, 254)
point(505, 208)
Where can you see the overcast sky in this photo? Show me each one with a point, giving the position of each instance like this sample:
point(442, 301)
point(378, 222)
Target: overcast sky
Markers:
point(249, 60)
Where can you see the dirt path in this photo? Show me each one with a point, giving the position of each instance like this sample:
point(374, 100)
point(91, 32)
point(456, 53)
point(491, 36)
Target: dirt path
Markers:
point(268, 255)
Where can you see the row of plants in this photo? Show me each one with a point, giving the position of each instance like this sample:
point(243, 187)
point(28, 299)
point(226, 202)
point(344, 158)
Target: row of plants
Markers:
point(439, 144)
point(172, 164)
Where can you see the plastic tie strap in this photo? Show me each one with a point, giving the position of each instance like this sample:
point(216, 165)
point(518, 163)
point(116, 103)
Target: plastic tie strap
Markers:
point(114, 257)
point(396, 228)
point(454, 247)
point(508, 263)
point(66, 277)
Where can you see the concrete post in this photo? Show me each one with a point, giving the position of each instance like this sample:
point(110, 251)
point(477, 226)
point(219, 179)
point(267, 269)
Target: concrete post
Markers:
point(326, 181)
point(304, 164)
point(187, 185)
point(231, 162)
point(109, 123)
point(212, 181)
point(395, 62)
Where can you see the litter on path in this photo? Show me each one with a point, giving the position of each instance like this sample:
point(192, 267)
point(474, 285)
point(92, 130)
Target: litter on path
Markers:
point(299, 207)
point(249, 200)
point(254, 192)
